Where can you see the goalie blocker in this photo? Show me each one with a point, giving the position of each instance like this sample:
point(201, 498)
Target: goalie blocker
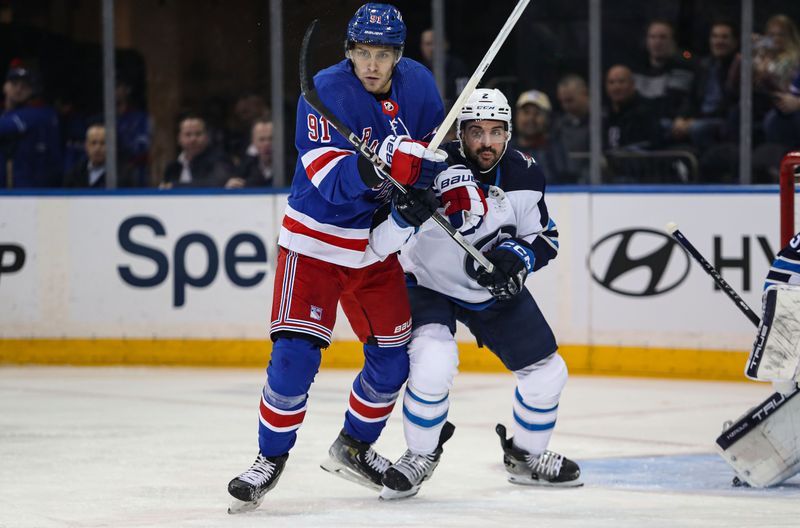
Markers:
point(763, 446)
point(776, 351)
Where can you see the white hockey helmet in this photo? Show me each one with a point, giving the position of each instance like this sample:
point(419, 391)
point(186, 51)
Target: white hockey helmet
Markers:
point(485, 103)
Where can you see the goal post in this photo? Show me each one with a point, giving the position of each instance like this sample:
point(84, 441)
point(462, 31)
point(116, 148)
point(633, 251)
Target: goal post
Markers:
point(789, 175)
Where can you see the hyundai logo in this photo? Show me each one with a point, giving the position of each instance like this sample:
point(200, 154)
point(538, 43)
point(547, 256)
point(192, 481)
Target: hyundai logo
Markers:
point(638, 262)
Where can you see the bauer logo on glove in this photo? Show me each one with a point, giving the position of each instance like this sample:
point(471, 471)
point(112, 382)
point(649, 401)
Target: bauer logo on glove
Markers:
point(462, 198)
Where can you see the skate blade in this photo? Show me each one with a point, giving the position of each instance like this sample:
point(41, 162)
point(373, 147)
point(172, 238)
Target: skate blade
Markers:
point(334, 467)
point(238, 506)
point(522, 481)
point(390, 494)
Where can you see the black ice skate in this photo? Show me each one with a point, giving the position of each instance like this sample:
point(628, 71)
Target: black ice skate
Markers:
point(405, 477)
point(547, 469)
point(356, 461)
point(249, 488)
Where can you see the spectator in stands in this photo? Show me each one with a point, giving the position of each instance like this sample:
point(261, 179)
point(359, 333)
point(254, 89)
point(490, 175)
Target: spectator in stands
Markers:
point(629, 122)
point(133, 132)
point(572, 125)
point(456, 73)
point(90, 172)
point(532, 136)
point(198, 164)
point(777, 56)
point(713, 99)
point(30, 139)
point(246, 109)
point(782, 124)
point(256, 167)
point(666, 79)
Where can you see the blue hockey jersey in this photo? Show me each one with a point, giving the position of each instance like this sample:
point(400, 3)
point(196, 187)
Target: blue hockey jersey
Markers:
point(330, 208)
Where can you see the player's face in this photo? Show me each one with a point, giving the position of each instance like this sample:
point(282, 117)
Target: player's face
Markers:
point(484, 142)
point(373, 66)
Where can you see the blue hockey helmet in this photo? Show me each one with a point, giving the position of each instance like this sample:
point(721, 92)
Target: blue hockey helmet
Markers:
point(378, 24)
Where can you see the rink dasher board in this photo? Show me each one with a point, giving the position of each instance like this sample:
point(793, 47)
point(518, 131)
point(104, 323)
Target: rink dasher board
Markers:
point(620, 288)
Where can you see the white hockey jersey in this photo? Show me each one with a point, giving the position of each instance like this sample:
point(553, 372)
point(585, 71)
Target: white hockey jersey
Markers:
point(516, 209)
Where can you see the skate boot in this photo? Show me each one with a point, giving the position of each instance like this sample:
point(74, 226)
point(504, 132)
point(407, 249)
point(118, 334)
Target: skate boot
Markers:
point(547, 469)
point(405, 477)
point(355, 461)
point(249, 488)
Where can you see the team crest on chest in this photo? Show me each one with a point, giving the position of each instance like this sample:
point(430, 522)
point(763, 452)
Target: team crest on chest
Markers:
point(390, 108)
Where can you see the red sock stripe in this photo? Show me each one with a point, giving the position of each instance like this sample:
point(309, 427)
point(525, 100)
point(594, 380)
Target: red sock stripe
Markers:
point(276, 419)
point(368, 411)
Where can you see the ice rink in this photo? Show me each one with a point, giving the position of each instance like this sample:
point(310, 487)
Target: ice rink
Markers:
point(155, 447)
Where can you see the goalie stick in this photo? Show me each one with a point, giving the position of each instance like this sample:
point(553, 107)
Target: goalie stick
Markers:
point(313, 99)
point(672, 229)
point(762, 455)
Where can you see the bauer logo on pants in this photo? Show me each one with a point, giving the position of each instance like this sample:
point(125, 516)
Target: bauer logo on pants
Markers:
point(638, 262)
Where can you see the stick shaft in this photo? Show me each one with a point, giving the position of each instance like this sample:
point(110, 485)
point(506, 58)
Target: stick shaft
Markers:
point(722, 283)
point(478, 75)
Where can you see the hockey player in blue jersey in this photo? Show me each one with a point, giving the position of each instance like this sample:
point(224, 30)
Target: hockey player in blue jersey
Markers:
point(496, 199)
point(325, 255)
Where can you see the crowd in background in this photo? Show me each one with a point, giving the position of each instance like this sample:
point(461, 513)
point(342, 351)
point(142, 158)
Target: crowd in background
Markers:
point(671, 118)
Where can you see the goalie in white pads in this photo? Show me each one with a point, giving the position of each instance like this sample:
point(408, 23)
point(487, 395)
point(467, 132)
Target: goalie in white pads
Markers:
point(496, 200)
point(763, 446)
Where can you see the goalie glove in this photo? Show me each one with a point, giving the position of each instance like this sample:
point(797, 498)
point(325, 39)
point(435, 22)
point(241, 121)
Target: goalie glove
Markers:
point(462, 198)
point(513, 259)
point(411, 162)
point(414, 208)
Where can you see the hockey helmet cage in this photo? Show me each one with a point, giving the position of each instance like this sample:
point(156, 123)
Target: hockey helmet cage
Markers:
point(376, 24)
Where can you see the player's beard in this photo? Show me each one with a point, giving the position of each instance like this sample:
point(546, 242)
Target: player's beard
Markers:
point(486, 162)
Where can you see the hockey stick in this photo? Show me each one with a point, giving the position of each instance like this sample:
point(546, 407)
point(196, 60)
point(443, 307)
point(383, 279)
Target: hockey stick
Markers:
point(672, 229)
point(478, 75)
point(313, 99)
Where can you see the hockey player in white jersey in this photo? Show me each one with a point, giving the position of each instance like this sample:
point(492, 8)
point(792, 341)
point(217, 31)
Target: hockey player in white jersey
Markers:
point(496, 200)
point(763, 445)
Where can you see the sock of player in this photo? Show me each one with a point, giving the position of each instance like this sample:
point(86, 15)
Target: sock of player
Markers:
point(367, 411)
point(279, 419)
point(424, 416)
point(536, 399)
point(533, 423)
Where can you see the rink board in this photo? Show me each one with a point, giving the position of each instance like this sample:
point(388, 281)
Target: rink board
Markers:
point(186, 278)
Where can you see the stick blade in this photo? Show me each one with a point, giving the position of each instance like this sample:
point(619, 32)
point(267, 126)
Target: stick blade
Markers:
point(305, 68)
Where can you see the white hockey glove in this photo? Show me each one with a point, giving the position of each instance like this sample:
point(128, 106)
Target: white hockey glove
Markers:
point(410, 160)
point(462, 198)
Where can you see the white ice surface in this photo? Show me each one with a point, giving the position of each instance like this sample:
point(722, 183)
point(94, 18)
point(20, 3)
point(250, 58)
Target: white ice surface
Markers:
point(155, 447)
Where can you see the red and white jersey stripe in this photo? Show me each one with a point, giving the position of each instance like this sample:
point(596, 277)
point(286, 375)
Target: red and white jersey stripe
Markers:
point(279, 420)
point(331, 243)
point(319, 162)
point(368, 411)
